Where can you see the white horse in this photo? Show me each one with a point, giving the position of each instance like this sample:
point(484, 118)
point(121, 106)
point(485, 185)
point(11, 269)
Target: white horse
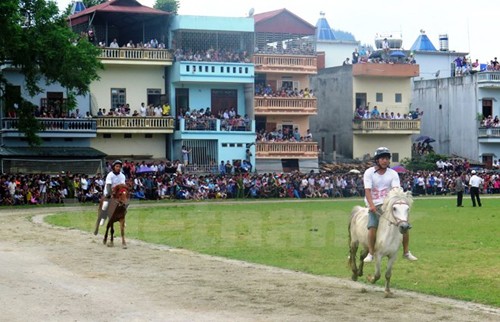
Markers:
point(393, 223)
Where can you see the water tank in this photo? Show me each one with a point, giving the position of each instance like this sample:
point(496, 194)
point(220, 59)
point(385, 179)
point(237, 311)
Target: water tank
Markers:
point(443, 42)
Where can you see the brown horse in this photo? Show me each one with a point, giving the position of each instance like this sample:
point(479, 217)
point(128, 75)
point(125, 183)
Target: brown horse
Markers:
point(116, 211)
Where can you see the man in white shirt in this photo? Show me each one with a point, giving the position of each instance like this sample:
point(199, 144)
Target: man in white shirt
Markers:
point(474, 183)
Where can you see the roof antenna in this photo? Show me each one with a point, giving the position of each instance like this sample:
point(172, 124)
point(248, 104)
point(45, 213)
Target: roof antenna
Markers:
point(251, 12)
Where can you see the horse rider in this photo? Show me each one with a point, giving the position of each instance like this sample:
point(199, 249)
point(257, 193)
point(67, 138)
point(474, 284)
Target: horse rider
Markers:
point(114, 178)
point(378, 181)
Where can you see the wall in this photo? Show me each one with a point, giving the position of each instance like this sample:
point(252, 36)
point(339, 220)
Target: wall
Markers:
point(450, 107)
point(388, 87)
point(137, 145)
point(135, 79)
point(333, 88)
point(336, 52)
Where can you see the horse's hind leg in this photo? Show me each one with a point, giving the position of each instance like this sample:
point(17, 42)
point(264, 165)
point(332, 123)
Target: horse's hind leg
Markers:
point(99, 215)
point(122, 230)
point(362, 264)
point(111, 237)
point(353, 249)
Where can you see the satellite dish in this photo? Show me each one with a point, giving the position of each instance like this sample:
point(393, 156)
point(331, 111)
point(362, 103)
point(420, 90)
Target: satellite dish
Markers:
point(437, 73)
point(251, 12)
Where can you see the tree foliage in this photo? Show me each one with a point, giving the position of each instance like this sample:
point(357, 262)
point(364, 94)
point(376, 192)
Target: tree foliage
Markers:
point(168, 5)
point(36, 40)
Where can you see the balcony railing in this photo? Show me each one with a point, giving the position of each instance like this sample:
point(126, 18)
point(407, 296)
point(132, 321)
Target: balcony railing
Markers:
point(488, 79)
point(286, 150)
point(130, 124)
point(285, 105)
point(214, 125)
point(214, 71)
point(136, 55)
point(55, 124)
point(402, 126)
point(491, 132)
point(285, 63)
point(53, 128)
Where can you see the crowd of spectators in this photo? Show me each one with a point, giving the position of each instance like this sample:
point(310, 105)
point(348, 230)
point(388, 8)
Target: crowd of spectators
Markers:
point(365, 113)
point(212, 55)
point(205, 120)
point(267, 91)
point(285, 135)
point(167, 180)
point(489, 121)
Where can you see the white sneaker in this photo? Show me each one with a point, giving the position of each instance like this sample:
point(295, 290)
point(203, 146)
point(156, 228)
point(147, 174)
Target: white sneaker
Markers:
point(102, 222)
point(368, 258)
point(409, 256)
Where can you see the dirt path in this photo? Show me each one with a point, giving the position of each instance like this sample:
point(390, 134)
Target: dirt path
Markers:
point(56, 274)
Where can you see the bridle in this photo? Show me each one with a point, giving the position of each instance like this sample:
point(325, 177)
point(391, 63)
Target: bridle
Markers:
point(395, 221)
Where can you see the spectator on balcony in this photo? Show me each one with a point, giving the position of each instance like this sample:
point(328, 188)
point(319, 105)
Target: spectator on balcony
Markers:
point(185, 155)
point(114, 44)
point(375, 114)
point(130, 44)
point(367, 114)
point(157, 110)
point(296, 135)
point(346, 62)
point(308, 137)
point(142, 109)
point(165, 110)
point(100, 112)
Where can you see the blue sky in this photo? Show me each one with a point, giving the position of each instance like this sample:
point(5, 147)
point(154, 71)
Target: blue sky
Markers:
point(470, 27)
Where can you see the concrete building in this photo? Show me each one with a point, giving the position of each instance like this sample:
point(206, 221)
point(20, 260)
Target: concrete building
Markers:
point(454, 108)
point(342, 91)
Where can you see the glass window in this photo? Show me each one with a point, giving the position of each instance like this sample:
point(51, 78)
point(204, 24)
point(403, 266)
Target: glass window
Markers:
point(379, 97)
point(398, 98)
point(118, 97)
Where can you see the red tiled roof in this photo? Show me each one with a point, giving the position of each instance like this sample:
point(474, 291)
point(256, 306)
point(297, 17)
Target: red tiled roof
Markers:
point(121, 6)
point(282, 20)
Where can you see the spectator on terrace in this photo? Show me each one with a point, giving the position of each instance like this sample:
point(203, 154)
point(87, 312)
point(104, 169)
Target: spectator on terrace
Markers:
point(375, 114)
point(114, 44)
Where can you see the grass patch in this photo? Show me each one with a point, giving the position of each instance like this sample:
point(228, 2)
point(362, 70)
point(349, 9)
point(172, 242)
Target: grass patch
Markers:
point(457, 247)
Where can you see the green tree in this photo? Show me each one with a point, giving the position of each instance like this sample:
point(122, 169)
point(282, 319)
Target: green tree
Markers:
point(168, 5)
point(36, 40)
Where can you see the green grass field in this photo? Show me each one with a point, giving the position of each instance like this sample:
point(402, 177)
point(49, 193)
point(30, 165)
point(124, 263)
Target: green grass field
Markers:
point(457, 247)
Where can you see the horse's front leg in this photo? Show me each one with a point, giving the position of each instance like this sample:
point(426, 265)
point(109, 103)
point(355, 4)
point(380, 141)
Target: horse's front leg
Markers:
point(122, 230)
point(105, 239)
point(388, 274)
point(110, 226)
point(376, 277)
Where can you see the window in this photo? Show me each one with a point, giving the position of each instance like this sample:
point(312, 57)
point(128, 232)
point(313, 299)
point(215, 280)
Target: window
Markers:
point(118, 97)
point(127, 136)
point(398, 98)
point(154, 95)
point(148, 136)
point(106, 136)
point(379, 97)
point(395, 157)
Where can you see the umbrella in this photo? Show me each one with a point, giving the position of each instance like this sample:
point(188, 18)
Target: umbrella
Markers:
point(355, 171)
point(398, 53)
point(399, 169)
point(424, 138)
point(429, 140)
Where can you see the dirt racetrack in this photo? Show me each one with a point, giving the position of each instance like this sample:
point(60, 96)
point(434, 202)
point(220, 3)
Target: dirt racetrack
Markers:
point(57, 274)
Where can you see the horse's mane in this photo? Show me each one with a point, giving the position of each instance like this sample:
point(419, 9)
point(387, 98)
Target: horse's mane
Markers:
point(397, 195)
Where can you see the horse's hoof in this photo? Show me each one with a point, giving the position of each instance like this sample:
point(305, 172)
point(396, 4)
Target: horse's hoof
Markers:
point(95, 233)
point(388, 294)
point(354, 277)
point(124, 246)
point(370, 279)
point(110, 245)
